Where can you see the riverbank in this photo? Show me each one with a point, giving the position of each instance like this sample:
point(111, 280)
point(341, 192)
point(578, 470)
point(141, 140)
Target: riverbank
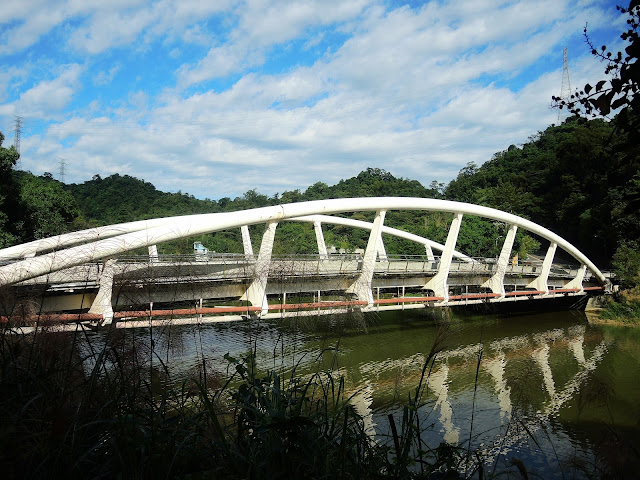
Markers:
point(623, 312)
point(595, 318)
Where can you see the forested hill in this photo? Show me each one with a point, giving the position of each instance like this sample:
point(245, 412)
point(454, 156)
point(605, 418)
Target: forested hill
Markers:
point(121, 198)
point(580, 179)
point(117, 199)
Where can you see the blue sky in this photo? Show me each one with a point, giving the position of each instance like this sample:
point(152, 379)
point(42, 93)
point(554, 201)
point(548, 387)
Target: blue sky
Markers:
point(215, 98)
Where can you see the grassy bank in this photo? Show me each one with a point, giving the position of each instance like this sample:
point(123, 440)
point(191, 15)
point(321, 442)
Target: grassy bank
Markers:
point(624, 308)
point(628, 312)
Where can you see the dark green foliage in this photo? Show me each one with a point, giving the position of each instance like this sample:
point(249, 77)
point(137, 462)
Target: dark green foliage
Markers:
point(300, 235)
point(48, 209)
point(294, 428)
point(620, 184)
point(31, 207)
point(570, 178)
point(121, 198)
point(9, 193)
point(103, 201)
point(626, 264)
point(375, 182)
point(624, 310)
point(479, 237)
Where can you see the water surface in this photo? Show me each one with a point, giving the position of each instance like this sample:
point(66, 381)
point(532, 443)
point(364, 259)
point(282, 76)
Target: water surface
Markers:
point(550, 390)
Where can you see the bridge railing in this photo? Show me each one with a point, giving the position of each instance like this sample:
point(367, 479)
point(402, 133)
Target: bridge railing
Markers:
point(224, 267)
point(224, 258)
point(342, 264)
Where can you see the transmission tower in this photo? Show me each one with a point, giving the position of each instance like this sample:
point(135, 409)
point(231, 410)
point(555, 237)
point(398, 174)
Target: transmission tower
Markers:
point(565, 91)
point(62, 163)
point(17, 128)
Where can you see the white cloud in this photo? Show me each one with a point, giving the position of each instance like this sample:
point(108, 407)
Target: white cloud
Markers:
point(9, 79)
point(105, 77)
point(260, 26)
point(29, 29)
point(419, 92)
point(100, 25)
point(111, 28)
point(50, 97)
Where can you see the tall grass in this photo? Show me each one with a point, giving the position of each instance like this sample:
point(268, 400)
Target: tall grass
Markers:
point(73, 405)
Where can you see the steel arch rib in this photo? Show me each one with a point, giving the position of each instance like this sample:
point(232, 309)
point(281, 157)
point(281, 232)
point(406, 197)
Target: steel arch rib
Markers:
point(349, 222)
point(179, 227)
point(30, 249)
point(82, 236)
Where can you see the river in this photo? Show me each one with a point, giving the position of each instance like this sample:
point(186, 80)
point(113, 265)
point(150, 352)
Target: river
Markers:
point(550, 390)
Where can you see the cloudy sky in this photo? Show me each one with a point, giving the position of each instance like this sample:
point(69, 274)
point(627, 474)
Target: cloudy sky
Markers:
point(216, 97)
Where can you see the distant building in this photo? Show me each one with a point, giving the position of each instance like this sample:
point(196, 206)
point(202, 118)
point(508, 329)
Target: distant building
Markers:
point(199, 249)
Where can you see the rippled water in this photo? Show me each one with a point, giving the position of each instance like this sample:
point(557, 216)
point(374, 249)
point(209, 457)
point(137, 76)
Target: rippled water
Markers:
point(550, 390)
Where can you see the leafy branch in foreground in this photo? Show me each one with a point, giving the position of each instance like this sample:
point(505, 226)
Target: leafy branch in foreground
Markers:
point(621, 89)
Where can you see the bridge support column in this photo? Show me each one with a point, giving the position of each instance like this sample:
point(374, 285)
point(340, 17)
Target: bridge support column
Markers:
point(102, 303)
point(540, 282)
point(576, 282)
point(496, 282)
point(362, 286)
point(382, 253)
point(322, 247)
point(153, 253)
point(256, 293)
point(246, 242)
point(429, 252)
point(439, 282)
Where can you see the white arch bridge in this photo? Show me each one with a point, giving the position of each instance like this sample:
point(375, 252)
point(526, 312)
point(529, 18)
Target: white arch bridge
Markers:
point(88, 270)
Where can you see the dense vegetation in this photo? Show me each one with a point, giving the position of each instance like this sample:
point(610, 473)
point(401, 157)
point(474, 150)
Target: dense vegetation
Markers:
point(572, 178)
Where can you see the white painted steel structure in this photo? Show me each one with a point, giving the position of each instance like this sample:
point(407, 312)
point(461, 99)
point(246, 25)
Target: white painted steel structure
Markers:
point(58, 253)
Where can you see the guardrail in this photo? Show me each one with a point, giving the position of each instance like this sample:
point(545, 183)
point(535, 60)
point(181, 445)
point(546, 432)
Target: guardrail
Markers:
point(226, 267)
point(235, 265)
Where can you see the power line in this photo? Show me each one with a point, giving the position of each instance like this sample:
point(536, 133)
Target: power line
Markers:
point(62, 163)
point(17, 129)
point(565, 91)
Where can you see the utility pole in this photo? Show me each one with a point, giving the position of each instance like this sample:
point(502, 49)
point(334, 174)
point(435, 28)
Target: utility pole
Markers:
point(62, 163)
point(17, 128)
point(565, 91)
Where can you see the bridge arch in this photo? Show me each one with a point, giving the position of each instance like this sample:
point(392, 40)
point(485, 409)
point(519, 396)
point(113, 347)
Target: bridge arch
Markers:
point(105, 242)
point(58, 242)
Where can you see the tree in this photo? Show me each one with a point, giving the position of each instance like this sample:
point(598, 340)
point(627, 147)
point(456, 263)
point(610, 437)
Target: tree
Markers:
point(464, 187)
point(620, 90)
point(9, 192)
point(48, 208)
point(626, 264)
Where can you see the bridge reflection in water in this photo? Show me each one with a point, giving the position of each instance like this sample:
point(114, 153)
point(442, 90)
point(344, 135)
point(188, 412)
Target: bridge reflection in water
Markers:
point(505, 387)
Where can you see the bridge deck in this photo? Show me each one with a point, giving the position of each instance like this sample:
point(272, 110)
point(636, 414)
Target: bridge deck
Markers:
point(397, 284)
point(176, 269)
